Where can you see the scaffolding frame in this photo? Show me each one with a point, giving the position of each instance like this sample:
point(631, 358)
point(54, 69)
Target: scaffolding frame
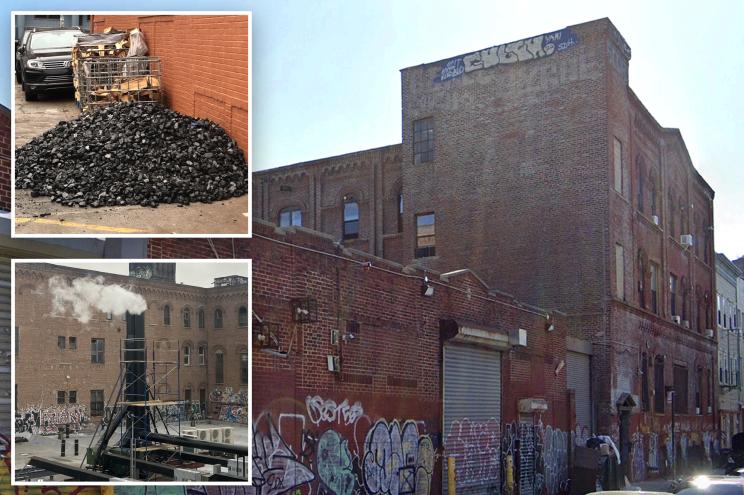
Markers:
point(160, 364)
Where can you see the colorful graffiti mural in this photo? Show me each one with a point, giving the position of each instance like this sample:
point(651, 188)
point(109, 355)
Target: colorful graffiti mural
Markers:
point(518, 51)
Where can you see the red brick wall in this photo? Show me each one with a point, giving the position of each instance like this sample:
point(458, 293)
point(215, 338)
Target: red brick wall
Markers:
point(4, 159)
point(204, 63)
point(393, 368)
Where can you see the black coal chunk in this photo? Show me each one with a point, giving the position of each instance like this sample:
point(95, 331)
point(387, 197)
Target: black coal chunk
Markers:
point(132, 154)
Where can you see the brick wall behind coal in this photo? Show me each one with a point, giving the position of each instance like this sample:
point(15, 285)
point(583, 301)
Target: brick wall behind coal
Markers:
point(4, 159)
point(204, 63)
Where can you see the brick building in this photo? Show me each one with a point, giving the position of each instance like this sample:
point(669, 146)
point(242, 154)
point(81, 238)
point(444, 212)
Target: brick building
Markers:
point(730, 347)
point(536, 165)
point(205, 64)
point(463, 372)
point(203, 329)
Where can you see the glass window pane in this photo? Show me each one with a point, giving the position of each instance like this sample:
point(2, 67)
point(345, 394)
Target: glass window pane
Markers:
point(351, 211)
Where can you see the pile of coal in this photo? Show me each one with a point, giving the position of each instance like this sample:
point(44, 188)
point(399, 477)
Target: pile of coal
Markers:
point(132, 154)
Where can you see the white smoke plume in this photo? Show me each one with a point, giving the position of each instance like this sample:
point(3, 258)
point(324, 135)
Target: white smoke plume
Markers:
point(87, 294)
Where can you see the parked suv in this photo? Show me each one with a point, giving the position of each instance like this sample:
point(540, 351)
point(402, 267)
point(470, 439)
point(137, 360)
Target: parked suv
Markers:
point(45, 61)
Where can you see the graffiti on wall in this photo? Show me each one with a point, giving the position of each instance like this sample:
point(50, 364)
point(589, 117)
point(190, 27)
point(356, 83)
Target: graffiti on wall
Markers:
point(475, 447)
point(518, 51)
point(47, 420)
point(397, 460)
point(276, 468)
point(654, 461)
point(335, 458)
point(326, 410)
point(228, 396)
point(638, 458)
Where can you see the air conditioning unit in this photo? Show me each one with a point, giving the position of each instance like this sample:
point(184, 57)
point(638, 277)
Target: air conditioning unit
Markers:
point(203, 434)
point(686, 323)
point(710, 409)
point(709, 333)
point(685, 240)
point(334, 364)
point(697, 410)
point(186, 475)
point(655, 219)
point(522, 337)
point(215, 435)
point(237, 467)
point(676, 319)
point(227, 434)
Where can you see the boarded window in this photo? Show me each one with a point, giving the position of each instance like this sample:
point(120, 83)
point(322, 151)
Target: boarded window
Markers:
point(680, 389)
point(219, 367)
point(618, 163)
point(96, 402)
point(619, 272)
point(244, 368)
point(645, 405)
point(659, 393)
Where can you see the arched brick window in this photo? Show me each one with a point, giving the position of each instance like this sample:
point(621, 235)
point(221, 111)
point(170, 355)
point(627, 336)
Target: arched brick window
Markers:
point(218, 318)
point(187, 317)
point(166, 315)
point(290, 216)
point(350, 219)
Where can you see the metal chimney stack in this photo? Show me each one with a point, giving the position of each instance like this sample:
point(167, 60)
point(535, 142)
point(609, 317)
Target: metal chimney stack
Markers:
point(135, 389)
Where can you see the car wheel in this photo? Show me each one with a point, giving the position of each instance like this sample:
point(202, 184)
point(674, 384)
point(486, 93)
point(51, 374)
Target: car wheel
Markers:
point(30, 95)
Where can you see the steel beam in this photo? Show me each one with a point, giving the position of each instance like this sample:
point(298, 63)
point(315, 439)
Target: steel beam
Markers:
point(78, 474)
point(197, 444)
point(153, 467)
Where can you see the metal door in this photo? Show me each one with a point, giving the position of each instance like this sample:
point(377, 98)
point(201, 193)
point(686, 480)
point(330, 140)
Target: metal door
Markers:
point(472, 418)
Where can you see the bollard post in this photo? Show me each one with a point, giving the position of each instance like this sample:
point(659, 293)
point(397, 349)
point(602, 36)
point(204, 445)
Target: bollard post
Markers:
point(451, 481)
point(509, 474)
point(62, 448)
point(76, 447)
point(67, 430)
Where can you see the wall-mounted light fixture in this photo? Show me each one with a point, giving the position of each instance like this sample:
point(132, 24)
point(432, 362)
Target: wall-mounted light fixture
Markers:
point(427, 289)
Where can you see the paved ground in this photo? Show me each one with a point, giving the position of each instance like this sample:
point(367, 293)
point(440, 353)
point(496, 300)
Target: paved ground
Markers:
point(41, 216)
point(48, 446)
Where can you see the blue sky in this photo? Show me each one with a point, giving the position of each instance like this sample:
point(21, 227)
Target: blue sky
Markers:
point(326, 77)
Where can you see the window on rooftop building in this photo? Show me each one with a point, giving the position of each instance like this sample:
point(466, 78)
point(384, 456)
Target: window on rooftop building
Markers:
point(618, 165)
point(425, 235)
point(400, 212)
point(290, 217)
point(654, 292)
point(423, 140)
point(243, 316)
point(351, 219)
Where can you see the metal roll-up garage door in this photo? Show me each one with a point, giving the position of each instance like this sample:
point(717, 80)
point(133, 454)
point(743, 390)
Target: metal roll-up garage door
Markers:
point(579, 379)
point(472, 417)
point(5, 347)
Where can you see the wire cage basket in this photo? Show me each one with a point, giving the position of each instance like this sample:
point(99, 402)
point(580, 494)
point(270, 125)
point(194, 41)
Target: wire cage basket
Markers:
point(105, 80)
